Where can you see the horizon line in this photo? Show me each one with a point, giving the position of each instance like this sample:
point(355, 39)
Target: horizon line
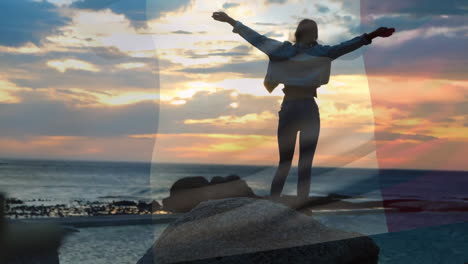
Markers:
point(212, 164)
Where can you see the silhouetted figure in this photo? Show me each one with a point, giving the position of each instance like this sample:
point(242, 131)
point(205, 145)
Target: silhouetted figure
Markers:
point(302, 68)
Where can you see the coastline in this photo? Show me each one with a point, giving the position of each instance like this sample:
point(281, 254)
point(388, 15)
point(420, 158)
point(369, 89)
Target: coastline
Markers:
point(139, 213)
point(101, 221)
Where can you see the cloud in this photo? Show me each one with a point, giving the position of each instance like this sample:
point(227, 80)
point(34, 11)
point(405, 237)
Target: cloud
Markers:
point(441, 110)
point(51, 122)
point(322, 8)
point(78, 112)
point(229, 5)
point(47, 117)
point(429, 40)
point(437, 56)
point(269, 24)
point(438, 154)
point(230, 120)
point(108, 53)
point(415, 7)
point(91, 68)
point(28, 48)
point(197, 115)
point(23, 21)
point(272, 34)
point(136, 78)
point(131, 65)
point(347, 64)
point(275, 1)
point(389, 136)
point(236, 52)
point(256, 69)
point(7, 92)
point(181, 32)
point(137, 11)
point(67, 64)
point(427, 30)
point(77, 148)
point(404, 22)
point(214, 148)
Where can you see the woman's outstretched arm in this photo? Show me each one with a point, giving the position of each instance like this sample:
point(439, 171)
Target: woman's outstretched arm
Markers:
point(263, 43)
point(336, 51)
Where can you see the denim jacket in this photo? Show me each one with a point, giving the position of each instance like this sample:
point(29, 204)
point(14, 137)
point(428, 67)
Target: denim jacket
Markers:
point(297, 64)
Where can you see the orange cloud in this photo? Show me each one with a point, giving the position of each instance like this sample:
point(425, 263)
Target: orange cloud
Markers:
point(74, 147)
point(229, 120)
point(249, 149)
point(437, 154)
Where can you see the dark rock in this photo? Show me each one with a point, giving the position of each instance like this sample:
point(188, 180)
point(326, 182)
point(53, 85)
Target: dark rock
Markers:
point(232, 177)
point(14, 201)
point(188, 183)
point(142, 206)
point(124, 203)
point(249, 230)
point(22, 243)
point(151, 207)
point(186, 193)
point(217, 179)
point(155, 206)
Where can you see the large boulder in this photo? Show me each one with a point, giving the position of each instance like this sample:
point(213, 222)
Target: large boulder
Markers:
point(250, 230)
point(188, 192)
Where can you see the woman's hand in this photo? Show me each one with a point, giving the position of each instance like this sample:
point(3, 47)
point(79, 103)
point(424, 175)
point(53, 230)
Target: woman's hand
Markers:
point(381, 32)
point(223, 17)
point(384, 32)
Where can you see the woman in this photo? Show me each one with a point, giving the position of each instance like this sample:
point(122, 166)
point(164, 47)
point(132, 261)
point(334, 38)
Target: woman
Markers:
point(302, 68)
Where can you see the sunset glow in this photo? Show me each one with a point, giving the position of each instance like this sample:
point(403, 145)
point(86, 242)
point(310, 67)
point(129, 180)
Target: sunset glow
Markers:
point(178, 86)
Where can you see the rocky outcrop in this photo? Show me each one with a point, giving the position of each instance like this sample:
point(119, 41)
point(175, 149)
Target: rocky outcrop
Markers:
point(250, 230)
point(186, 193)
point(22, 243)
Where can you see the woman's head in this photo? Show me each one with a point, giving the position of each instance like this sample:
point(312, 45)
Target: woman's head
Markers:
point(306, 32)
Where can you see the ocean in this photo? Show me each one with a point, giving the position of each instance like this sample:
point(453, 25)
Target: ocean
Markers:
point(127, 244)
point(61, 182)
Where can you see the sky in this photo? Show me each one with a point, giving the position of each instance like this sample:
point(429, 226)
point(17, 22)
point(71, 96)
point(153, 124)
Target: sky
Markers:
point(162, 81)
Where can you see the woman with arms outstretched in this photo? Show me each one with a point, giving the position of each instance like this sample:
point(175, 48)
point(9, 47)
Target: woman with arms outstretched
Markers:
point(302, 68)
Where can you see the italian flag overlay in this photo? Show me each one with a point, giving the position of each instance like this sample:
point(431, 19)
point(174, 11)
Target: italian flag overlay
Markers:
point(396, 104)
point(147, 92)
point(416, 68)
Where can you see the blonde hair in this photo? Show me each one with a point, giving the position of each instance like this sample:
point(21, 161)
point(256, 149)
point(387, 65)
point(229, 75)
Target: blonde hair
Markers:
point(300, 29)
